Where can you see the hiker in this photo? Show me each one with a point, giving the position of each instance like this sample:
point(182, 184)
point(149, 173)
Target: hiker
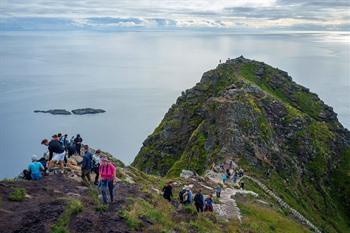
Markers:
point(35, 168)
point(56, 153)
point(188, 196)
point(241, 184)
point(60, 138)
point(65, 141)
point(107, 178)
point(77, 141)
point(86, 166)
point(218, 191)
point(199, 201)
point(241, 172)
point(209, 203)
point(46, 153)
point(96, 165)
point(224, 178)
point(228, 173)
point(168, 192)
point(181, 194)
point(235, 177)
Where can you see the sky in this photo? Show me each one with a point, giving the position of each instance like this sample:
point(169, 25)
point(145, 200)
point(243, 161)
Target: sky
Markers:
point(311, 15)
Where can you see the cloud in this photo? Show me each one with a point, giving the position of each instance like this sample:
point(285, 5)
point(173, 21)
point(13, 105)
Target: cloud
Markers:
point(228, 14)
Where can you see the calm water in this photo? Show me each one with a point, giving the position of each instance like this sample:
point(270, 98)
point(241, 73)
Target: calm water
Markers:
point(136, 76)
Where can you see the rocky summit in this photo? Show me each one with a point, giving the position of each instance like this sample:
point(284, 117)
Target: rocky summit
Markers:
point(277, 130)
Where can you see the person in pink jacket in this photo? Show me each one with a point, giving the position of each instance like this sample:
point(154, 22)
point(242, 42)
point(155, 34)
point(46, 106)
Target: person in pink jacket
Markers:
point(107, 178)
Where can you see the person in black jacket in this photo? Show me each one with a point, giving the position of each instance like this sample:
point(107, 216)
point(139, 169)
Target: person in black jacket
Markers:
point(56, 152)
point(168, 192)
point(199, 201)
point(77, 141)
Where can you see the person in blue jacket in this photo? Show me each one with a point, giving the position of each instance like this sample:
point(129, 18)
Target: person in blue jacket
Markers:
point(35, 168)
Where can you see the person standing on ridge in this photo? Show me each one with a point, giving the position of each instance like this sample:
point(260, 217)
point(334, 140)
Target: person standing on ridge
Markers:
point(56, 153)
point(77, 141)
point(199, 201)
point(168, 191)
point(35, 168)
point(107, 178)
point(86, 166)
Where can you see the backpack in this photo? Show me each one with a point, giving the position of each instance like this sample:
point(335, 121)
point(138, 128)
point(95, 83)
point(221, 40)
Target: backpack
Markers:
point(181, 195)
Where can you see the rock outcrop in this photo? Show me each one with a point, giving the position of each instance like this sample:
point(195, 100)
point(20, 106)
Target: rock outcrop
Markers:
point(277, 130)
point(79, 111)
point(54, 111)
point(84, 111)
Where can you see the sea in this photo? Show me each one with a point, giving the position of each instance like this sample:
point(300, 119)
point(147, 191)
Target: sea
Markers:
point(136, 76)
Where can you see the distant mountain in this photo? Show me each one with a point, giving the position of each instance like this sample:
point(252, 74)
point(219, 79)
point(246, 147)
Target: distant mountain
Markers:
point(280, 132)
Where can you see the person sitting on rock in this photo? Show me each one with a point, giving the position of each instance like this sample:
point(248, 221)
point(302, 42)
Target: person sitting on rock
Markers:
point(199, 201)
point(107, 179)
point(86, 166)
point(209, 204)
point(35, 168)
point(218, 191)
point(168, 191)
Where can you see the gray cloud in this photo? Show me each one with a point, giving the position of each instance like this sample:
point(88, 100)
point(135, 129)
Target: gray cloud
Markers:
point(261, 14)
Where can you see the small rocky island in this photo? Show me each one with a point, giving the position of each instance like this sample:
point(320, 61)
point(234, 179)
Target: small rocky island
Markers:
point(80, 111)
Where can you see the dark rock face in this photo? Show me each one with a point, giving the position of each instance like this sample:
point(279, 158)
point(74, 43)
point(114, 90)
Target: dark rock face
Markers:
point(256, 115)
point(84, 111)
point(55, 112)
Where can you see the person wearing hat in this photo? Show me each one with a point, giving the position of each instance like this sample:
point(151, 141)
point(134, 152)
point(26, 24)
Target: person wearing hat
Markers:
point(35, 168)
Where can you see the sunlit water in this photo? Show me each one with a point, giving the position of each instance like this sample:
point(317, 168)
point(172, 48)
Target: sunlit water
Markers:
point(135, 77)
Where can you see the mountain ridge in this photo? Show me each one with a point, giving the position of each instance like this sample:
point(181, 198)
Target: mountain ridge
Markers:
point(259, 117)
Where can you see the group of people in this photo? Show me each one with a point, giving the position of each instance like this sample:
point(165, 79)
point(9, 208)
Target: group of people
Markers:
point(60, 150)
point(233, 175)
point(186, 198)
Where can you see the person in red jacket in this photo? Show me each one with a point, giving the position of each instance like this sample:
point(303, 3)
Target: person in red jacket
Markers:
point(107, 178)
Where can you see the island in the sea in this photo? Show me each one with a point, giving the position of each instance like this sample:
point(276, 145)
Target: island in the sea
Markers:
point(80, 111)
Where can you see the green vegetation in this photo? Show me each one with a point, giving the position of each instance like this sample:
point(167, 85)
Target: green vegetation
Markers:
point(158, 214)
point(73, 207)
point(100, 207)
point(18, 194)
point(195, 157)
point(262, 219)
point(341, 185)
point(308, 103)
